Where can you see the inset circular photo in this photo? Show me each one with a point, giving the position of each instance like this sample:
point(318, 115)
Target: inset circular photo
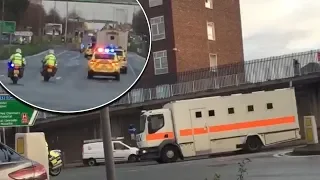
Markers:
point(72, 56)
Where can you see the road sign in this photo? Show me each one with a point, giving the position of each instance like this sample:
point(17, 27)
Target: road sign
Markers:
point(13, 113)
point(8, 26)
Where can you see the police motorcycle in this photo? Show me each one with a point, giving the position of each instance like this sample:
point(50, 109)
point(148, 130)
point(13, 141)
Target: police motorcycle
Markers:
point(14, 72)
point(48, 71)
point(55, 162)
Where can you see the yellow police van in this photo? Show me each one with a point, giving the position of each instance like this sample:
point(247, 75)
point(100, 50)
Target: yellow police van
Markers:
point(122, 56)
point(88, 52)
point(104, 62)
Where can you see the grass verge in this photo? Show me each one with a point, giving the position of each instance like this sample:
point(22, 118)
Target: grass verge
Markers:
point(27, 50)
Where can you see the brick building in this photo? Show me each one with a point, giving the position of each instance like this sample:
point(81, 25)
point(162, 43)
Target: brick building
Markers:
point(189, 35)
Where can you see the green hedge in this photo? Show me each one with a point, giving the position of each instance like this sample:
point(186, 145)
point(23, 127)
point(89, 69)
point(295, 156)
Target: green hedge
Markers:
point(27, 50)
point(134, 48)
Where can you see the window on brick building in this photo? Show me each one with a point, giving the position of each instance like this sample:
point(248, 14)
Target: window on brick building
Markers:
point(209, 4)
point(154, 3)
point(213, 62)
point(211, 31)
point(157, 28)
point(160, 62)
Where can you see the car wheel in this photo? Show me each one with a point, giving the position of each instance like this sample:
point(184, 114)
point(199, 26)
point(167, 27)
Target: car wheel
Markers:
point(132, 158)
point(117, 77)
point(91, 162)
point(89, 76)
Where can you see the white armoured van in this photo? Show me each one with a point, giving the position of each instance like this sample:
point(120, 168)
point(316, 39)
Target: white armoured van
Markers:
point(210, 125)
point(114, 37)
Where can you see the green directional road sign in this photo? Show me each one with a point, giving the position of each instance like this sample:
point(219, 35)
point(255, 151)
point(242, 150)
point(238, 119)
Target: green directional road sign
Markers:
point(8, 26)
point(13, 113)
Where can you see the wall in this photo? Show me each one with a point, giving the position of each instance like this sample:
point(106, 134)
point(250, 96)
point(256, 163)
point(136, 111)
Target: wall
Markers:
point(190, 33)
point(308, 103)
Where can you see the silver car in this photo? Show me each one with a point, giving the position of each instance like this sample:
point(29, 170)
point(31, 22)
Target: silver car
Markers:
point(13, 166)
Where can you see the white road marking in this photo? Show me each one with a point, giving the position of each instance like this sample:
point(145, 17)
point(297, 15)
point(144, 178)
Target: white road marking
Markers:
point(57, 78)
point(134, 73)
point(61, 53)
point(72, 62)
point(133, 170)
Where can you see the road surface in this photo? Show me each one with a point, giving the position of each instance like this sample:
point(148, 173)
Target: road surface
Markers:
point(69, 90)
point(263, 166)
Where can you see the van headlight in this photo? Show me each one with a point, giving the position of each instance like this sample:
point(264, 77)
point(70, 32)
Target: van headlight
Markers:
point(144, 151)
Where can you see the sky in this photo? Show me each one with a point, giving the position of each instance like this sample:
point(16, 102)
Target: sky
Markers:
point(276, 27)
point(121, 13)
point(269, 27)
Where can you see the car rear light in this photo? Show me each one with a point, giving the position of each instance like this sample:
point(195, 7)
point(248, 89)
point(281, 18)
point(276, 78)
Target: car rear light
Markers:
point(37, 171)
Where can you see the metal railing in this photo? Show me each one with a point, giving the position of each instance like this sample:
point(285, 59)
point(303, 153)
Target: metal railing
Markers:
point(249, 72)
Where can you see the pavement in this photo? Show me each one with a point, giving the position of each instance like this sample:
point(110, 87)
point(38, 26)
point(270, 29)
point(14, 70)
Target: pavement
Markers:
point(311, 149)
point(69, 90)
point(263, 166)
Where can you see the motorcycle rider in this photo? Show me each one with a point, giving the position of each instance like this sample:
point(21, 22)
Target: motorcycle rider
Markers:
point(18, 60)
point(50, 60)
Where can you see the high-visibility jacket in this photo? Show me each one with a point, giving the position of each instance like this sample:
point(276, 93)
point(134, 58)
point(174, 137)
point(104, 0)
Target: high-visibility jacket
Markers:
point(50, 60)
point(17, 59)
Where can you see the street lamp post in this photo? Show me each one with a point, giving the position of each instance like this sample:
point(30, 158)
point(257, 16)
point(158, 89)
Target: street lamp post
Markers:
point(2, 19)
point(66, 23)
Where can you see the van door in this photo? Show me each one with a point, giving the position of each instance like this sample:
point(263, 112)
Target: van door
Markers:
point(200, 131)
point(120, 152)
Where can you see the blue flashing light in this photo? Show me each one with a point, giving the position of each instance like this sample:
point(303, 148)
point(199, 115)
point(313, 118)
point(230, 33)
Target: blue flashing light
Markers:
point(10, 65)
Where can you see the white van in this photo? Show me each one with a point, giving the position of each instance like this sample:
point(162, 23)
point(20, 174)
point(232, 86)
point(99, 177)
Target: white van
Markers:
point(93, 154)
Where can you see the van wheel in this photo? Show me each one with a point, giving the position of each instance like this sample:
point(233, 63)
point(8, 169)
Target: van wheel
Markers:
point(91, 162)
point(253, 144)
point(132, 158)
point(169, 154)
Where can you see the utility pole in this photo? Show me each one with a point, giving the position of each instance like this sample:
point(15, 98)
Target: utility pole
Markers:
point(66, 23)
point(55, 11)
point(2, 19)
point(107, 144)
point(54, 20)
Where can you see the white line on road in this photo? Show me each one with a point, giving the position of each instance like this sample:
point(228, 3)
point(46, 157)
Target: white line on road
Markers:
point(61, 53)
point(134, 73)
point(133, 170)
point(57, 78)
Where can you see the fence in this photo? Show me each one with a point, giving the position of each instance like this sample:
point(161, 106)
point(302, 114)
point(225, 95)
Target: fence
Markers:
point(254, 71)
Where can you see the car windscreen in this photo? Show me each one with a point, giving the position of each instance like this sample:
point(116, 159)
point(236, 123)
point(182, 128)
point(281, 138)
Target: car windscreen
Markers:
point(105, 56)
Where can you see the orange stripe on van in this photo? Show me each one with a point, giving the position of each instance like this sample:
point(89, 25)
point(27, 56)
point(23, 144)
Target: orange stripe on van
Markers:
point(236, 126)
point(161, 135)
